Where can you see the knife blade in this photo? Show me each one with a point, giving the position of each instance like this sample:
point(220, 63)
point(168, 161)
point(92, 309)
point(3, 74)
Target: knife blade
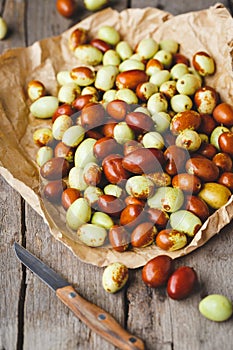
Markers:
point(93, 316)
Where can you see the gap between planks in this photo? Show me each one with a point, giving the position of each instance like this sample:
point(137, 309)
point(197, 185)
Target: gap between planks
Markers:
point(23, 285)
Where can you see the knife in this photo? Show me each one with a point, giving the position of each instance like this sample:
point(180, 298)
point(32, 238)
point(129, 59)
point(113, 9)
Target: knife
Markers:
point(93, 316)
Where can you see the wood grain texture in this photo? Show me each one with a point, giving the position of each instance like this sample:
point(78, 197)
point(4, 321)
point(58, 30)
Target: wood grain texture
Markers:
point(14, 14)
point(178, 7)
point(31, 317)
point(10, 270)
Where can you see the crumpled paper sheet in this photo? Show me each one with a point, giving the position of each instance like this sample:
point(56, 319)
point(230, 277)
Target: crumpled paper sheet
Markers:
point(210, 30)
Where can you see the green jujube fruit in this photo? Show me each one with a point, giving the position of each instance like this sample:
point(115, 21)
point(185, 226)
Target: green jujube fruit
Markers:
point(167, 198)
point(78, 213)
point(216, 307)
point(185, 221)
point(108, 34)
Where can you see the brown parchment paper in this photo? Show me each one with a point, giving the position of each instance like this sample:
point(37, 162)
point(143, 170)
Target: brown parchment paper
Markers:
point(210, 30)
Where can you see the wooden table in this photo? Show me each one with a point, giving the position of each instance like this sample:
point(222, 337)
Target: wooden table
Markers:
point(31, 317)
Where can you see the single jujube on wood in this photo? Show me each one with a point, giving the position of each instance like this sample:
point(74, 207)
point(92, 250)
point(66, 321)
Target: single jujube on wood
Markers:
point(181, 283)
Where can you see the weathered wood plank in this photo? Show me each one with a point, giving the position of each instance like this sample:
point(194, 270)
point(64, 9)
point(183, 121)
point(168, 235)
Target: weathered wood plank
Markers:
point(11, 214)
point(10, 268)
point(149, 314)
point(13, 13)
point(178, 6)
point(46, 21)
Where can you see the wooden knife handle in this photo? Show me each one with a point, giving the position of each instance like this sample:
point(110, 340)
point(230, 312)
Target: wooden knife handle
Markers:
point(99, 320)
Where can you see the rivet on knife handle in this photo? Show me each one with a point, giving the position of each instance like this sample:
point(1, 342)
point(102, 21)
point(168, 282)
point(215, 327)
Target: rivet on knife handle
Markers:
point(99, 320)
